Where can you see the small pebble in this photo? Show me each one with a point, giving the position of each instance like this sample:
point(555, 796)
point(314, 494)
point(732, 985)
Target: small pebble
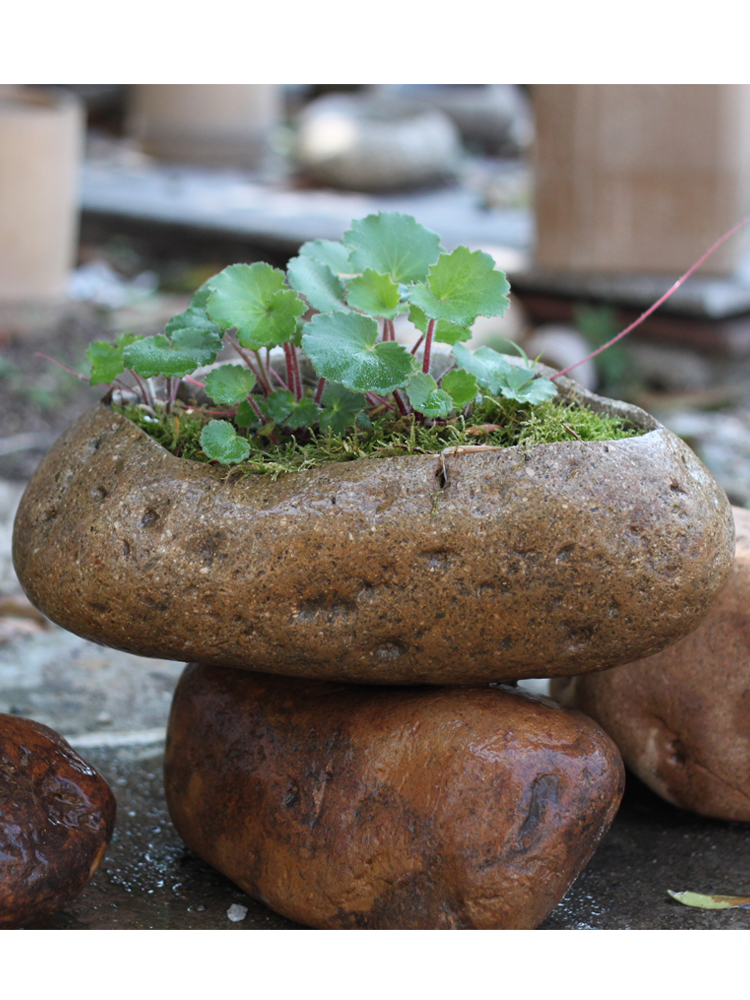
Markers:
point(236, 913)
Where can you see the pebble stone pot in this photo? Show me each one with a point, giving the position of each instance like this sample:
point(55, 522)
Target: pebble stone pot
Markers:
point(465, 567)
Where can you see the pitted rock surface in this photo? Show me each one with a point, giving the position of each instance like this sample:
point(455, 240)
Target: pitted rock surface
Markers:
point(347, 806)
point(56, 819)
point(681, 718)
point(471, 566)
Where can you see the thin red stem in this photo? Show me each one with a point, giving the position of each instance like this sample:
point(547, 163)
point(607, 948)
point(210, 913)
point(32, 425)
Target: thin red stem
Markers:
point(388, 331)
point(54, 361)
point(319, 390)
point(402, 407)
point(647, 313)
point(428, 347)
point(276, 375)
point(260, 374)
point(376, 400)
point(418, 344)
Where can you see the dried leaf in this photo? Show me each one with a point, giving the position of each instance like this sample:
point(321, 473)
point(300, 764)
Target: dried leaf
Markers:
point(711, 902)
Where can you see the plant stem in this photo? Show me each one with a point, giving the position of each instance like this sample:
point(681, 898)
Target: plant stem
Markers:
point(374, 400)
point(388, 332)
point(168, 394)
point(143, 386)
point(261, 375)
point(402, 407)
point(292, 369)
point(319, 390)
point(276, 375)
point(667, 294)
point(40, 354)
point(255, 406)
point(418, 344)
point(428, 347)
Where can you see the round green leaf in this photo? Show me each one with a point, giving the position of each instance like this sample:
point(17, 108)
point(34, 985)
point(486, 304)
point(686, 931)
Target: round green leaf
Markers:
point(221, 443)
point(317, 282)
point(392, 243)
point(461, 286)
point(342, 348)
point(425, 397)
point(341, 408)
point(229, 384)
point(251, 297)
point(461, 386)
point(189, 349)
point(329, 252)
point(374, 294)
point(106, 359)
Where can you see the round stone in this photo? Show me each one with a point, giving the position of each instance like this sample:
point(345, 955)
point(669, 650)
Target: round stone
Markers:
point(681, 718)
point(350, 806)
point(56, 819)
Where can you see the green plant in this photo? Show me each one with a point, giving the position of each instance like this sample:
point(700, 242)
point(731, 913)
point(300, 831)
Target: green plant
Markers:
point(331, 317)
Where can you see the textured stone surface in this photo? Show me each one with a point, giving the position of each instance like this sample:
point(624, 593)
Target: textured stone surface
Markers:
point(56, 818)
point(473, 566)
point(681, 718)
point(344, 806)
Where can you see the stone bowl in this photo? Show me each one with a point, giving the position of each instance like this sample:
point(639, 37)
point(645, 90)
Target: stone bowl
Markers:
point(469, 566)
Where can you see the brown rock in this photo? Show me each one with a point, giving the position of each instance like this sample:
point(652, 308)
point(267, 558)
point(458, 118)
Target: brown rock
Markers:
point(681, 718)
point(344, 806)
point(56, 819)
point(469, 567)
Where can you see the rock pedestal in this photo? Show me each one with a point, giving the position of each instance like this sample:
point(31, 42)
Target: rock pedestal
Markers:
point(344, 806)
point(681, 718)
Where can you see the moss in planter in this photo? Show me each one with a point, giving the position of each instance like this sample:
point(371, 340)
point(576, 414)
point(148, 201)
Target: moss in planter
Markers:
point(497, 422)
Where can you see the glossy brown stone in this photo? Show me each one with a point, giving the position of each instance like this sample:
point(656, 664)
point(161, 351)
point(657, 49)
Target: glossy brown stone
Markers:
point(56, 819)
point(465, 567)
point(348, 806)
point(681, 718)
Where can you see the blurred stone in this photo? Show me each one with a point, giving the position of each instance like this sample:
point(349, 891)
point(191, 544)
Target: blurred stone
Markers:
point(368, 143)
point(681, 718)
point(494, 118)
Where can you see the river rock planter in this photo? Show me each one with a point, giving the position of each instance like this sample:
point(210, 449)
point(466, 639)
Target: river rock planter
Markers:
point(469, 566)
point(681, 718)
point(56, 819)
point(344, 806)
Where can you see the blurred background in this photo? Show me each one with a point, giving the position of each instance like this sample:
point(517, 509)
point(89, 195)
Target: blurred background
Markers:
point(116, 202)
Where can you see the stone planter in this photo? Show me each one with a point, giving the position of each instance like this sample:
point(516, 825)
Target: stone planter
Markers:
point(461, 568)
point(681, 718)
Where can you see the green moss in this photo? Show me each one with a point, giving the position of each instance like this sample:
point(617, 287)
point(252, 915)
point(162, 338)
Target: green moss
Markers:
point(498, 422)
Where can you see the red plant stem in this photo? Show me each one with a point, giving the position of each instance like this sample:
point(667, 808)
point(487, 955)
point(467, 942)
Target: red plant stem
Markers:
point(376, 400)
point(319, 390)
point(292, 368)
point(255, 406)
point(402, 407)
point(418, 344)
point(40, 354)
point(148, 397)
point(168, 392)
point(428, 347)
point(276, 375)
point(260, 375)
point(192, 381)
point(647, 313)
point(388, 331)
